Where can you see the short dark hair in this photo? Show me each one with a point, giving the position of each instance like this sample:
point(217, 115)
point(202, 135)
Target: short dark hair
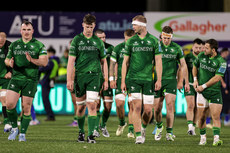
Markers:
point(99, 31)
point(89, 19)
point(213, 44)
point(197, 41)
point(129, 32)
point(51, 50)
point(167, 29)
point(27, 23)
point(225, 49)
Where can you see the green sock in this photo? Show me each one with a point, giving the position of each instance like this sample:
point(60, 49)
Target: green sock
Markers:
point(122, 122)
point(144, 126)
point(159, 125)
point(138, 134)
point(105, 117)
point(13, 117)
point(194, 124)
point(97, 121)
point(91, 124)
point(189, 122)
point(216, 130)
point(131, 128)
point(203, 131)
point(81, 123)
point(169, 130)
point(25, 123)
point(75, 118)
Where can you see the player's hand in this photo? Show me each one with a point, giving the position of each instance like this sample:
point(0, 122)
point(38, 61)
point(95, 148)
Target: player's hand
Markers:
point(187, 87)
point(12, 62)
point(28, 57)
point(199, 89)
point(180, 85)
point(113, 84)
point(8, 75)
point(157, 85)
point(105, 85)
point(69, 85)
point(123, 87)
point(195, 84)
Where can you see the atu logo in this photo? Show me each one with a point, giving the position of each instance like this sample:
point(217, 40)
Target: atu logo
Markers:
point(16, 25)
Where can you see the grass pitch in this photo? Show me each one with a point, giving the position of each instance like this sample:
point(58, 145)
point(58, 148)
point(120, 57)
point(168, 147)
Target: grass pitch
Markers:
point(55, 137)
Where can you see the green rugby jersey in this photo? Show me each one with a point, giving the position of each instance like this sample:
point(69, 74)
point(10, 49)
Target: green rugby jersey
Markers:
point(189, 58)
point(142, 53)
point(2, 63)
point(88, 53)
point(208, 68)
point(23, 69)
point(171, 56)
point(118, 56)
point(108, 50)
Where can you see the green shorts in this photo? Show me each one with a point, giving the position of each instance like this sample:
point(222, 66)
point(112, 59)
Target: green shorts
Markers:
point(140, 86)
point(25, 87)
point(108, 92)
point(4, 83)
point(213, 96)
point(167, 86)
point(87, 82)
point(192, 91)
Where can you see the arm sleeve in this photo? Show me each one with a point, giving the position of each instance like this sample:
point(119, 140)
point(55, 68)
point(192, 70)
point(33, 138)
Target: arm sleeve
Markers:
point(10, 52)
point(73, 48)
point(222, 68)
point(43, 51)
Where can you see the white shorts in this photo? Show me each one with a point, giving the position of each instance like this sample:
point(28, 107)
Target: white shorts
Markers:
point(201, 102)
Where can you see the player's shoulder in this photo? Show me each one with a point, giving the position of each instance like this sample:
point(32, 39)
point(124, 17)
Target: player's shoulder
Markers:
point(176, 45)
point(107, 45)
point(220, 58)
point(39, 43)
point(150, 36)
point(119, 46)
point(132, 39)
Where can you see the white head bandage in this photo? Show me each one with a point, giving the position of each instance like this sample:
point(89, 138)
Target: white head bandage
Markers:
point(167, 35)
point(139, 23)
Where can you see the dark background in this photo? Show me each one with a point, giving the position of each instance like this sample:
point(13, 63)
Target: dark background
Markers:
point(115, 5)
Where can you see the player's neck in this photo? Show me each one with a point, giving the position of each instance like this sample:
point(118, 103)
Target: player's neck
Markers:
point(142, 34)
point(213, 54)
point(88, 35)
point(26, 40)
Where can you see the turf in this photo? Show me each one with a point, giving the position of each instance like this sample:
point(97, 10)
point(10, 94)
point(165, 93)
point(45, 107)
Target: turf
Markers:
point(58, 137)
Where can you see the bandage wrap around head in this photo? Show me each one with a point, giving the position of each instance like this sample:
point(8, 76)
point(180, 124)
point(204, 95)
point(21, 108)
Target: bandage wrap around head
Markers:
point(167, 35)
point(139, 23)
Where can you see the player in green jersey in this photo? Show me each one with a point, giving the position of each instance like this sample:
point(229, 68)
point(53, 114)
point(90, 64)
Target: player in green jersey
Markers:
point(191, 113)
point(87, 53)
point(207, 71)
point(25, 56)
point(5, 76)
point(115, 83)
point(106, 95)
point(172, 54)
point(140, 52)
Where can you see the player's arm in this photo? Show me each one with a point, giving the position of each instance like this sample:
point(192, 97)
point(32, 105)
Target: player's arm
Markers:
point(194, 74)
point(184, 73)
point(70, 68)
point(124, 68)
point(158, 60)
point(105, 72)
point(41, 61)
point(112, 75)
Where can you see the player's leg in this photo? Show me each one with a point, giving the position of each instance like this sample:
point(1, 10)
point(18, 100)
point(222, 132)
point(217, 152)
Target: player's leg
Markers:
point(108, 100)
point(11, 101)
point(91, 97)
point(215, 110)
point(120, 103)
point(7, 126)
point(158, 104)
point(170, 102)
point(202, 108)
point(97, 124)
point(73, 98)
point(26, 116)
point(130, 116)
point(190, 114)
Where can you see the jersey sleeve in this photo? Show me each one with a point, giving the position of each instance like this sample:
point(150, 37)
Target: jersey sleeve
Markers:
point(128, 48)
point(222, 67)
point(73, 48)
point(43, 50)
point(102, 50)
point(180, 52)
point(157, 47)
point(114, 54)
point(10, 52)
point(196, 62)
